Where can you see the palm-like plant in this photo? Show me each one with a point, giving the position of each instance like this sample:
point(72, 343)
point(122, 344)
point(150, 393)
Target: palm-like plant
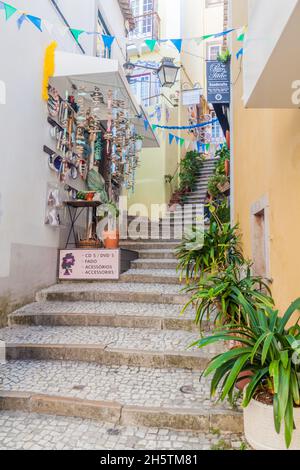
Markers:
point(221, 295)
point(219, 249)
point(269, 351)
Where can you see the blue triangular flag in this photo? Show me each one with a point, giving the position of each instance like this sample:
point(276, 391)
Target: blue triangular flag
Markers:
point(177, 43)
point(171, 138)
point(1, 6)
point(199, 146)
point(21, 20)
point(223, 33)
point(36, 21)
point(108, 40)
point(177, 139)
point(146, 124)
point(240, 53)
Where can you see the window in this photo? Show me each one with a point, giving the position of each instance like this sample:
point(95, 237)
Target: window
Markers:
point(213, 3)
point(260, 238)
point(101, 50)
point(143, 11)
point(213, 50)
point(146, 88)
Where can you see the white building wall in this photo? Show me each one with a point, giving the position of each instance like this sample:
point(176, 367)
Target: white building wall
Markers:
point(28, 248)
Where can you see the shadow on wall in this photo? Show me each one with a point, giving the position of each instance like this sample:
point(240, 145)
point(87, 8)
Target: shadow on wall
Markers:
point(8, 305)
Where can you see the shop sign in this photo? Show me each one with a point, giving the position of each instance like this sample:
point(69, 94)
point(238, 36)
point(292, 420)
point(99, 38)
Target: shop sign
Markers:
point(89, 265)
point(191, 97)
point(218, 82)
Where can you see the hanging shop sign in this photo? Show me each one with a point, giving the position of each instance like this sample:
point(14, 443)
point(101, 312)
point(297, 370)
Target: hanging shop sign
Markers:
point(218, 82)
point(89, 265)
point(191, 97)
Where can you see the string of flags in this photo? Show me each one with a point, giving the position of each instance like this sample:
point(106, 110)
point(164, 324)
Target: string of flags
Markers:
point(43, 24)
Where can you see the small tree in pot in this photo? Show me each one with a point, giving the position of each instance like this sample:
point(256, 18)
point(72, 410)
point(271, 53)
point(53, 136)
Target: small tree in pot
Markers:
point(270, 350)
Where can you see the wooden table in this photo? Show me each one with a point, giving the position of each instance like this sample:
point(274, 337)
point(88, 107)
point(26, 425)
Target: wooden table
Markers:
point(75, 209)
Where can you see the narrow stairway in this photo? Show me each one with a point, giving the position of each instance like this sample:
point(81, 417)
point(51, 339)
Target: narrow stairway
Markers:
point(116, 354)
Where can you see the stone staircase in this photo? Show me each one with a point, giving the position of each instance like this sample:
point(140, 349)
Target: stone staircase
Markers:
point(116, 352)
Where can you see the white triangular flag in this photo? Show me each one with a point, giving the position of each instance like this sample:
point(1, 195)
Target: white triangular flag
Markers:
point(62, 29)
point(49, 26)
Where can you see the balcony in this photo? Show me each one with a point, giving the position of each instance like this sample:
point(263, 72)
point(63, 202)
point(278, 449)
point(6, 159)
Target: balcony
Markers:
point(147, 26)
point(272, 48)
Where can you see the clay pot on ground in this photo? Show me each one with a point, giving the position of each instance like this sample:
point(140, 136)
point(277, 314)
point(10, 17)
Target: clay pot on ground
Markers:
point(227, 167)
point(260, 430)
point(228, 139)
point(111, 239)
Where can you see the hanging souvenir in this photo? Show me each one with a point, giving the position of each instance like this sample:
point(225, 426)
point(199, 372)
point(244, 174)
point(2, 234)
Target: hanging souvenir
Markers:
point(53, 102)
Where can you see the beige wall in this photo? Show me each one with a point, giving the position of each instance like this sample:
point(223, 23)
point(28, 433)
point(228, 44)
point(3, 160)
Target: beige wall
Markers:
point(266, 154)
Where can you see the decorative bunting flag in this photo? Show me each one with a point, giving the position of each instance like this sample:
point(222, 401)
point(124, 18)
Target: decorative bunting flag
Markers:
point(76, 33)
point(146, 124)
point(154, 126)
point(223, 33)
point(49, 26)
point(108, 41)
point(151, 43)
point(171, 138)
point(21, 20)
point(9, 10)
point(240, 53)
point(177, 43)
point(207, 147)
point(240, 34)
point(36, 21)
point(195, 126)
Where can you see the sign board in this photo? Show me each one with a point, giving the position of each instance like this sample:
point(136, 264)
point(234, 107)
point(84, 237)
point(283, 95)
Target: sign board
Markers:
point(89, 265)
point(218, 82)
point(191, 97)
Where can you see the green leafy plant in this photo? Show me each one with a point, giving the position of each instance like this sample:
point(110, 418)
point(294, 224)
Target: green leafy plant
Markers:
point(207, 252)
point(267, 351)
point(224, 57)
point(213, 185)
point(220, 295)
point(190, 166)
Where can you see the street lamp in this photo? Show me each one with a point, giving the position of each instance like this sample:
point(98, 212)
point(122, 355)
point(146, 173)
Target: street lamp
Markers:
point(167, 71)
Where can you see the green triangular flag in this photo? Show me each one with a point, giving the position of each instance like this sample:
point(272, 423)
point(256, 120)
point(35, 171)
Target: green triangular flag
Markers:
point(9, 11)
point(151, 43)
point(207, 147)
point(76, 33)
point(181, 142)
point(208, 36)
point(154, 127)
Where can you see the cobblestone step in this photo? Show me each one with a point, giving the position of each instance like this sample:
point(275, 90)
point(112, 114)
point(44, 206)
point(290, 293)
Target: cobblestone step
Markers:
point(167, 398)
point(149, 244)
point(154, 264)
point(157, 254)
point(24, 431)
point(163, 276)
point(109, 314)
point(112, 346)
point(114, 292)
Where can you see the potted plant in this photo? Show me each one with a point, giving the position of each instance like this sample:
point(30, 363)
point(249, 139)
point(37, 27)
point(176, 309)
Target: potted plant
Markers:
point(220, 295)
point(209, 251)
point(224, 57)
point(110, 234)
point(270, 350)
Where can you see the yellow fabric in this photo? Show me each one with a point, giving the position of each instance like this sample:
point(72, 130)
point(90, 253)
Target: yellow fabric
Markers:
point(49, 68)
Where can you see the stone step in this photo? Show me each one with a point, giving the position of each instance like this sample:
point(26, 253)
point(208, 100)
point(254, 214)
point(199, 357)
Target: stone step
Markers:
point(154, 264)
point(157, 254)
point(25, 431)
point(163, 276)
point(126, 396)
point(114, 292)
point(111, 346)
point(149, 244)
point(107, 314)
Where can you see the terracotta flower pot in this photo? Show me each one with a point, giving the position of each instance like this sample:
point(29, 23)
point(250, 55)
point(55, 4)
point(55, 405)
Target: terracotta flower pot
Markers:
point(228, 139)
point(111, 239)
point(260, 430)
point(227, 167)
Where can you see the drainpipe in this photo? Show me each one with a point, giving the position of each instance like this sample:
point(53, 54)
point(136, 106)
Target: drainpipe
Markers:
point(60, 13)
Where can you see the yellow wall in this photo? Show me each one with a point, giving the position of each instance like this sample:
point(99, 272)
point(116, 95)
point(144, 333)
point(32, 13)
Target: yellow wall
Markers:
point(266, 153)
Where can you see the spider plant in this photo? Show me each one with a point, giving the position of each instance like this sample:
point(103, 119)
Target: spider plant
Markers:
point(269, 352)
point(219, 247)
point(221, 296)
